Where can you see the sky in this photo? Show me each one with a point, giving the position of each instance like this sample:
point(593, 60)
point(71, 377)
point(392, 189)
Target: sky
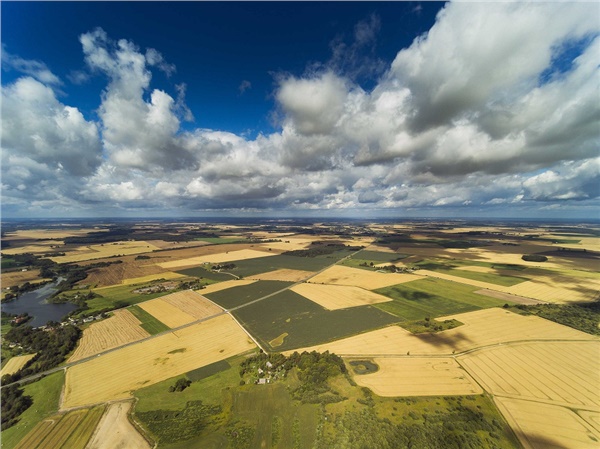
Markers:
point(300, 109)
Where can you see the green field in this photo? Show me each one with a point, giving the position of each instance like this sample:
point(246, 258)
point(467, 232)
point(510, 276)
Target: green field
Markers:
point(45, 394)
point(251, 267)
point(118, 297)
point(147, 321)
point(200, 272)
point(305, 322)
point(208, 370)
point(453, 268)
point(243, 294)
point(433, 298)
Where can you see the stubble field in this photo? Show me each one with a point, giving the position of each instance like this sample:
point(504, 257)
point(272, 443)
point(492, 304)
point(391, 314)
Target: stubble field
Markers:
point(115, 375)
point(15, 364)
point(333, 297)
point(119, 329)
point(180, 308)
point(418, 377)
point(282, 275)
point(369, 280)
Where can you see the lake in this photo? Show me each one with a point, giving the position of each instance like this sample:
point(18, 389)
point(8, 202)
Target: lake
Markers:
point(34, 303)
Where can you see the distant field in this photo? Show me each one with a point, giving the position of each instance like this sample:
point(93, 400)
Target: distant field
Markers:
point(419, 377)
point(105, 250)
point(151, 361)
point(200, 272)
point(305, 322)
point(432, 298)
point(283, 274)
point(482, 274)
point(72, 430)
point(237, 296)
point(152, 277)
point(223, 257)
point(15, 364)
point(342, 275)
point(148, 322)
point(121, 328)
point(266, 264)
point(225, 285)
point(12, 278)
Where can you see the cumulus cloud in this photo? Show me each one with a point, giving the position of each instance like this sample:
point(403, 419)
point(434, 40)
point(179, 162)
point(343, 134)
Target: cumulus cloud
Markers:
point(480, 112)
point(35, 69)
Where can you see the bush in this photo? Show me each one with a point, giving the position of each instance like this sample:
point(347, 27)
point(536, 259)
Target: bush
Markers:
point(534, 258)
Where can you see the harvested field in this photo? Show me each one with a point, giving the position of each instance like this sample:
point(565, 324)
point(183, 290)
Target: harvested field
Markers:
point(418, 377)
point(289, 244)
point(192, 303)
point(554, 287)
point(481, 328)
point(342, 275)
point(68, 431)
point(382, 249)
point(546, 426)
point(166, 313)
point(282, 275)
point(152, 277)
point(105, 250)
point(225, 285)
point(153, 360)
point(33, 247)
point(13, 278)
point(334, 297)
point(565, 373)
point(15, 364)
point(215, 258)
point(115, 430)
point(115, 274)
point(119, 329)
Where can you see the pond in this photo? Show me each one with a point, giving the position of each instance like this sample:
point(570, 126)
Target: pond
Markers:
point(34, 303)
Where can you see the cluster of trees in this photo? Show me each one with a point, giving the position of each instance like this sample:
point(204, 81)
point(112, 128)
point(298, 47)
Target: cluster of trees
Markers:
point(51, 347)
point(224, 266)
point(14, 402)
point(584, 317)
point(534, 258)
point(180, 385)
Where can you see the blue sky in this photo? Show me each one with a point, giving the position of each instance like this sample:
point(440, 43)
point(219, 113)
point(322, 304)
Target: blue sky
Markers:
point(335, 109)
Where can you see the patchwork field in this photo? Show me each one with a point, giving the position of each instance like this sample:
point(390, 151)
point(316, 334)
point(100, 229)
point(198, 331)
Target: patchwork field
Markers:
point(565, 373)
point(261, 265)
point(152, 361)
point(33, 247)
point(240, 295)
point(342, 275)
point(418, 377)
point(119, 329)
point(282, 275)
point(215, 258)
point(547, 426)
point(481, 328)
point(305, 322)
point(72, 430)
point(105, 250)
point(15, 364)
point(333, 297)
point(115, 431)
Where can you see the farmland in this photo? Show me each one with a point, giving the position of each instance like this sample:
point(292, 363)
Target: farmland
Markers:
point(152, 361)
point(305, 322)
point(15, 364)
point(121, 328)
point(434, 353)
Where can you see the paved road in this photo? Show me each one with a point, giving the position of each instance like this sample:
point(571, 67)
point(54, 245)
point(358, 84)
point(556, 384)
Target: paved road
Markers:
point(224, 312)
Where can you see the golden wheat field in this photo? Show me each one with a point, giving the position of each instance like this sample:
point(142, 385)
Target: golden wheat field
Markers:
point(166, 312)
point(14, 364)
point(335, 297)
point(168, 275)
point(105, 250)
point(116, 431)
point(37, 247)
point(13, 278)
point(119, 329)
point(558, 288)
point(35, 234)
point(369, 280)
point(225, 285)
point(216, 258)
point(193, 304)
point(546, 426)
point(418, 377)
point(481, 328)
point(566, 373)
point(289, 244)
point(283, 274)
point(115, 375)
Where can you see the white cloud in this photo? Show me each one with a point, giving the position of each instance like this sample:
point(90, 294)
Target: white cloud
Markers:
point(35, 69)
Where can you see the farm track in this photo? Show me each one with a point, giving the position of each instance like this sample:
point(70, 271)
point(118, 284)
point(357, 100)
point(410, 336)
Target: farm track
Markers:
point(224, 312)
